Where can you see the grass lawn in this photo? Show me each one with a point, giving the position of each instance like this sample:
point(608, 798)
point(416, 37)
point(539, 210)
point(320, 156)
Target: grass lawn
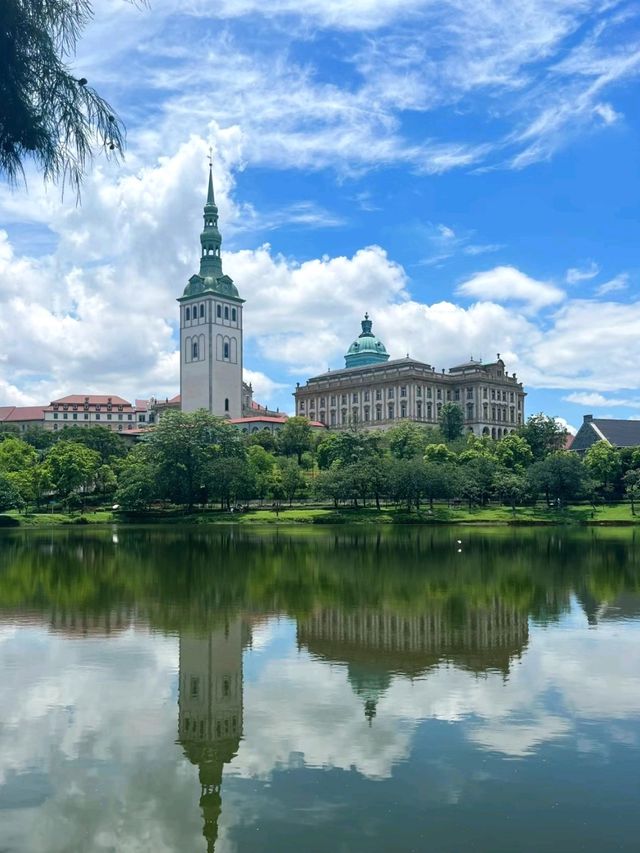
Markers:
point(441, 514)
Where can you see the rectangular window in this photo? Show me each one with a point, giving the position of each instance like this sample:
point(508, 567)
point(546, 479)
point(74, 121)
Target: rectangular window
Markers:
point(493, 393)
point(419, 409)
point(119, 417)
point(403, 390)
point(469, 393)
point(366, 413)
point(378, 413)
point(457, 394)
point(65, 416)
point(129, 417)
point(391, 393)
point(333, 418)
point(511, 397)
point(439, 393)
point(429, 411)
point(390, 411)
point(98, 416)
point(419, 391)
point(354, 398)
point(55, 416)
point(344, 399)
point(485, 393)
point(75, 416)
point(403, 410)
point(448, 393)
point(429, 393)
point(86, 416)
point(333, 400)
point(366, 396)
point(378, 394)
point(109, 417)
point(322, 402)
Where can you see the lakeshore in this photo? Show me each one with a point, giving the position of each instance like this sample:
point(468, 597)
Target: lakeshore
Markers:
point(572, 515)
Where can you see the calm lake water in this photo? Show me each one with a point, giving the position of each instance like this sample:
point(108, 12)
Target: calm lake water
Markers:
point(320, 690)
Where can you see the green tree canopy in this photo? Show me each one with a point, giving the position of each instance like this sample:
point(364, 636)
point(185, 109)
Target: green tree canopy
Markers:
point(71, 467)
point(295, 437)
point(543, 434)
point(451, 421)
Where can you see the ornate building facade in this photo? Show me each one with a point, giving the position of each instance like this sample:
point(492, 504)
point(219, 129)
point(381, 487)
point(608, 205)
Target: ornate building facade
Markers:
point(211, 329)
point(375, 392)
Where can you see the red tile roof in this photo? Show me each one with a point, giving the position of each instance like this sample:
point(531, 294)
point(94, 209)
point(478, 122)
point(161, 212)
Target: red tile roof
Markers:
point(9, 414)
point(270, 420)
point(92, 399)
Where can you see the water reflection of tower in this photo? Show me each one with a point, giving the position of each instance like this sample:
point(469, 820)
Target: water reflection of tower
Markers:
point(210, 711)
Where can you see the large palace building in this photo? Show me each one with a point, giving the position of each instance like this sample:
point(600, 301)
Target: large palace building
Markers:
point(375, 392)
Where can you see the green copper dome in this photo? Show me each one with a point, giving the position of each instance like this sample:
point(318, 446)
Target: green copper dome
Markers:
point(367, 349)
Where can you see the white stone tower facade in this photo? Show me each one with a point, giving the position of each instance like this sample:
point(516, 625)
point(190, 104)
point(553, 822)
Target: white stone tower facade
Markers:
point(211, 330)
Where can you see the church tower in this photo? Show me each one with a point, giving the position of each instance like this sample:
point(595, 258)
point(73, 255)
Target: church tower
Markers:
point(211, 329)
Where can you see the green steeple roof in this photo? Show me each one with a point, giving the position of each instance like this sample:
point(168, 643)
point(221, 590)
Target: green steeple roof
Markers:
point(366, 349)
point(210, 277)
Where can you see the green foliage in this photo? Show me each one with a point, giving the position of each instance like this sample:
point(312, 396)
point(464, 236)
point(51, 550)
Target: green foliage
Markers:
point(510, 487)
point(295, 437)
point(71, 467)
point(561, 477)
point(544, 435)
point(514, 453)
point(407, 441)
point(16, 455)
point(9, 494)
point(451, 421)
point(347, 447)
point(292, 480)
point(47, 114)
point(632, 487)
point(438, 453)
point(184, 448)
point(603, 463)
point(137, 481)
point(104, 441)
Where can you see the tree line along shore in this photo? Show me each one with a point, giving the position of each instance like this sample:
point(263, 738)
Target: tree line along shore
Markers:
point(198, 467)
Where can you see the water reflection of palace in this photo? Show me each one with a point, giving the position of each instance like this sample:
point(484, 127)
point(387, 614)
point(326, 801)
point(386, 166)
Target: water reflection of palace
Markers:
point(210, 710)
point(376, 644)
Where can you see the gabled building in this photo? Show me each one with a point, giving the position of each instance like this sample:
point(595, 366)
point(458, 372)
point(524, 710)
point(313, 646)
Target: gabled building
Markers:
point(22, 417)
point(114, 413)
point(376, 392)
point(616, 432)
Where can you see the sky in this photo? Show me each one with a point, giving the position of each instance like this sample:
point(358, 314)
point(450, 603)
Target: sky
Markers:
point(467, 171)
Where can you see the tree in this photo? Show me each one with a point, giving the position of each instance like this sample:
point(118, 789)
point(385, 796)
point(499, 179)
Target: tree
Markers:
point(71, 468)
point(261, 465)
point(184, 447)
point(46, 113)
point(16, 455)
point(510, 487)
point(108, 444)
point(451, 421)
point(229, 480)
point(137, 487)
point(603, 462)
point(406, 441)
point(348, 447)
point(514, 453)
point(295, 437)
point(438, 453)
point(9, 495)
point(544, 435)
point(632, 487)
point(561, 477)
point(476, 477)
point(292, 479)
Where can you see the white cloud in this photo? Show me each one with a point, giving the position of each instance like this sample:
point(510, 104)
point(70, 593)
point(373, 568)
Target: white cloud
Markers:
point(577, 274)
point(599, 400)
point(508, 284)
point(570, 428)
point(614, 285)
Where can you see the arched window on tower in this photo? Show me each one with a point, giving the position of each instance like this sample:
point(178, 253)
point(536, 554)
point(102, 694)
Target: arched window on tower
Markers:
point(225, 352)
point(234, 314)
point(218, 311)
point(226, 312)
point(202, 310)
point(226, 404)
point(187, 314)
point(194, 351)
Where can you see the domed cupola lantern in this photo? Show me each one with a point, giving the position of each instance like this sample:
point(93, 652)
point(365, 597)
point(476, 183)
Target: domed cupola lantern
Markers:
point(366, 349)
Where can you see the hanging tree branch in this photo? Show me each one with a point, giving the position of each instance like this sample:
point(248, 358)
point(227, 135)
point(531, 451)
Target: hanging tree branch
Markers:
point(46, 113)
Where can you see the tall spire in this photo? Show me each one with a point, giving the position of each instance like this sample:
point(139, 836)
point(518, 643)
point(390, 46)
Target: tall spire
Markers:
point(210, 239)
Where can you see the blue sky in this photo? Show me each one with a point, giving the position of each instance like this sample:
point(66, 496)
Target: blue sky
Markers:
point(465, 171)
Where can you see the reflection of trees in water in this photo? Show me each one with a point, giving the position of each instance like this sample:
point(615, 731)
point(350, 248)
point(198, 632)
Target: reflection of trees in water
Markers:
point(174, 578)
